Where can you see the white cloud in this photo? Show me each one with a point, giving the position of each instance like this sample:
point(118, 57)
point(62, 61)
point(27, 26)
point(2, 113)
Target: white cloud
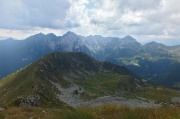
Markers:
point(143, 19)
point(21, 34)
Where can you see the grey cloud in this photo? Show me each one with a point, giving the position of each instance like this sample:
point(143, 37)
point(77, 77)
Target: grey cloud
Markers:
point(125, 14)
point(157, 18)
point(108, 17)
point(70, 24)
point(139, 4)
point(27, 14)
point(123, 5)
point(154, 29)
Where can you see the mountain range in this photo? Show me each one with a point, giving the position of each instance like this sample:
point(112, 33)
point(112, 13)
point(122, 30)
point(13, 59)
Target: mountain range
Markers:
point(153, 60)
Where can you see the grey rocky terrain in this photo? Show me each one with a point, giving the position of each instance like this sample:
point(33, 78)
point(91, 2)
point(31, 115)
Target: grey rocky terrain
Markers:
point(69, 96)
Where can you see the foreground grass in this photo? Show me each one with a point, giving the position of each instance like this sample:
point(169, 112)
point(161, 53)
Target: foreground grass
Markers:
point(104, 112)
point(160, 94)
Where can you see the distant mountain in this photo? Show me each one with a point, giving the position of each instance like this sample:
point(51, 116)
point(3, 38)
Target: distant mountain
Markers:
point(71, 42)
point(123, 48)
point(158, 49)
point(108, 47)
point(36, 84)
point(147, 60)
point(16, 54)
point(154, 44)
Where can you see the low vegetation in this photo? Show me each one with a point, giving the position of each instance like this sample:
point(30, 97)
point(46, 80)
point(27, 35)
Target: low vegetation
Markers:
point(103, 112)
point(64, 69)
point(123, 85)
point(109, 84)
point(158, 94)
point(95, 78)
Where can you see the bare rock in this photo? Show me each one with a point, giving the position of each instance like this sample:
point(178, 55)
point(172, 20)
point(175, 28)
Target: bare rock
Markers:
point(31, 100)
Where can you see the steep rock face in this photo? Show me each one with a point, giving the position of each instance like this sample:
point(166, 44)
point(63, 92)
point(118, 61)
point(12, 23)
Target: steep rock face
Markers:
point(71, 42)
point(112, 47)
point(97, 45)
point(123, 48)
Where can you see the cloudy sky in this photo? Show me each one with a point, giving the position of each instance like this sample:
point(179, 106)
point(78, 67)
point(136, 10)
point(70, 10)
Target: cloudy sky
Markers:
point(145, 20)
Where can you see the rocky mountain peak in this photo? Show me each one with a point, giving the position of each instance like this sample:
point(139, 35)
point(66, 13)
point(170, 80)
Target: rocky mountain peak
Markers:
point(69, 33)
point(128, 38)
point(36, 36)
point(154, 44)
point(51, 34)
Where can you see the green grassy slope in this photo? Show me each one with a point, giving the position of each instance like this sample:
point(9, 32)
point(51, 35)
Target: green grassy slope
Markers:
point(62, 68)
point(27, 82)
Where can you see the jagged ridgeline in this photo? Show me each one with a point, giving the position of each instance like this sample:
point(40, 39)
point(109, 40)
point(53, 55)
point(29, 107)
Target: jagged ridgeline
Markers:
point(152, 61)
point(34, 84)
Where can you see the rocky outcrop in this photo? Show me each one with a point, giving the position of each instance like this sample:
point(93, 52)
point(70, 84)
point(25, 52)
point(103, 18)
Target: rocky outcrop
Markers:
point(31, 100)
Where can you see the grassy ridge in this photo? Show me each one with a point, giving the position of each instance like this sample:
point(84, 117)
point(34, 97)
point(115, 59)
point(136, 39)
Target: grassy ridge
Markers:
point(108, 84)
point(26, 82)
point(123, 85)
point(104, 112)
point(36, 78)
